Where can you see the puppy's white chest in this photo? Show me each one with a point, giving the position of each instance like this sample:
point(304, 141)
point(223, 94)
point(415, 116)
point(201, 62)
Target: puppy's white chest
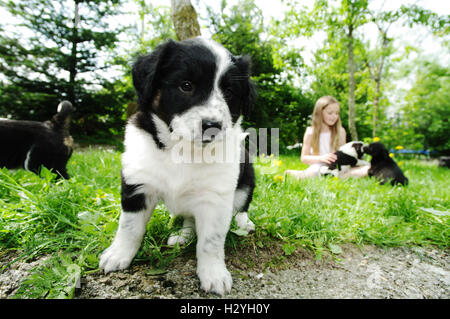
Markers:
point(180, 184)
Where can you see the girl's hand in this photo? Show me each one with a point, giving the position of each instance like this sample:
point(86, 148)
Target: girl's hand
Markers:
point(328, 158)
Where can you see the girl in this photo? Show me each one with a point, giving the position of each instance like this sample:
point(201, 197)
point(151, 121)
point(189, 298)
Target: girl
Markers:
point(322, 139)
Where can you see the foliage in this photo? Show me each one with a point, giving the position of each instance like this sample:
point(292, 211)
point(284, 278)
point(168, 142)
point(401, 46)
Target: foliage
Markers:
point(280, 103)
point(64, 58)
point(427, 109)
point(330, 67)
point(57, 278)
point(331, 78)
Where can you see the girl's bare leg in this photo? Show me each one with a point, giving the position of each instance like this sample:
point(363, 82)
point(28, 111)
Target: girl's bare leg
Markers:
point(358, 171)
point(301, 174)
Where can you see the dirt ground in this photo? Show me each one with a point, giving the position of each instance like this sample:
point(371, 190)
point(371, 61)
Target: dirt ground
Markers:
point(359, 272)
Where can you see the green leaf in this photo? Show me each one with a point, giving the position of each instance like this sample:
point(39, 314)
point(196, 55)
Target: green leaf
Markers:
point(156, 271)
point(288, 249)
point(240, 232)
point(335, 249)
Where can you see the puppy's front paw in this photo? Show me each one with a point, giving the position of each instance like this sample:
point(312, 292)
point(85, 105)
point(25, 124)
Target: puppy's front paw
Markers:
point(115, 258)
point(177, 239)
point(244, 223)
point(182, 237)
point(215, 279)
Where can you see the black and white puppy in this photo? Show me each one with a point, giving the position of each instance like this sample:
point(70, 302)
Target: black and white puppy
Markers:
point(348, 155)
point(191, 96)
point(31, 144)
point(382, 166)
point(444, 161)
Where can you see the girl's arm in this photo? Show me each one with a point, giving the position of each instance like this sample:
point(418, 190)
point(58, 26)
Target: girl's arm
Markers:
point(309, 159)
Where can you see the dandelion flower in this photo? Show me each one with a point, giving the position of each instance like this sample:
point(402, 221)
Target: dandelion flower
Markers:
point(376, 139)
point(278, 178)
point(277, 162)
point(391, 155)
point(399, 147)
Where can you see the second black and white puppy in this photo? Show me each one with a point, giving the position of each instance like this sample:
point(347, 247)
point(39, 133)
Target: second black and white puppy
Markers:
point(32, 144)
point(184, 147)
point(382, 166)
point(348, 155)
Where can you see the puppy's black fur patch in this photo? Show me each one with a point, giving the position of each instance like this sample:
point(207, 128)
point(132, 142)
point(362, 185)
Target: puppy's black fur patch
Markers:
point(383, 167)
point(131, 199)
point(344, 159)
point(31, 144)
point(246, 181)
point(444, 161)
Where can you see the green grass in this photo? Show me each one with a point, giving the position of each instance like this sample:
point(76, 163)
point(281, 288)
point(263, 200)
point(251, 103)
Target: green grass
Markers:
point(73, 221)
point(323, 212)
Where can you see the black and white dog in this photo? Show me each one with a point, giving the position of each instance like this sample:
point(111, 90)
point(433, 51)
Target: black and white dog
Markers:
point(191, 96)
point(31, 144)
point(382, 166)
point(348, 155)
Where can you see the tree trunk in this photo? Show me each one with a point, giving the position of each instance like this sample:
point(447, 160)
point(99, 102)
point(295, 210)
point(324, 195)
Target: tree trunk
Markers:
point(377, 79)
point(73, 57)
point(376, 106)
point(351, 92)
point(184, 19)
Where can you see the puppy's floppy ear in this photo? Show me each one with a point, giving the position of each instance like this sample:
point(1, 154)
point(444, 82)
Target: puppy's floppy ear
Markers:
point(359, 148)
point(243, 63)
point(145, 73)
point(385, 152)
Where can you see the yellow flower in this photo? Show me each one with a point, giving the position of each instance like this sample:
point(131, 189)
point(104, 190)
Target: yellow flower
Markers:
point(399, 147)
point(98, 198)
point(277, 162)
point(271, 155)
point(376, 139)
point(391, 155)
point(278, 178)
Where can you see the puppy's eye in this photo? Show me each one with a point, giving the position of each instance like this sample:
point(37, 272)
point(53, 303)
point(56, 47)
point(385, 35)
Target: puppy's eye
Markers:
point(186, 87)
point(228, 93)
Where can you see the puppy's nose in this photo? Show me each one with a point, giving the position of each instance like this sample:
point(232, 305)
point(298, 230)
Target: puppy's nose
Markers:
point(207, 124)
point(210, 129)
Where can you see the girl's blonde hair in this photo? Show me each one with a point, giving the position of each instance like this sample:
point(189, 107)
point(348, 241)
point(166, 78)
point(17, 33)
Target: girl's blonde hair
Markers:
point(321, 104)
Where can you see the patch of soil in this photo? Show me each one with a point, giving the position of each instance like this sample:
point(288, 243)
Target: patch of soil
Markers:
point(359, 272)
point(14, 272)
